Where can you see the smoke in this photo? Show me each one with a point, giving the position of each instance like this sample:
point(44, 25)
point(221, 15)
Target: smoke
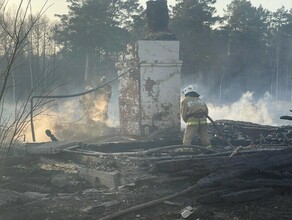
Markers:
point(69, 120)
point(264, 111)
point(229, 103)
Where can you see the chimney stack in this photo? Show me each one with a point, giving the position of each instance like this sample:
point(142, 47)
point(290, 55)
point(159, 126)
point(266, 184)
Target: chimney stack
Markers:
point(157, 21)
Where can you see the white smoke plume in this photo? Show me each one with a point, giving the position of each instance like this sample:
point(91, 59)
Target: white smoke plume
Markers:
point(264, 111)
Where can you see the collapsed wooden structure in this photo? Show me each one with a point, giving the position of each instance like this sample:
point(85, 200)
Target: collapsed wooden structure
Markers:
point(259, 166)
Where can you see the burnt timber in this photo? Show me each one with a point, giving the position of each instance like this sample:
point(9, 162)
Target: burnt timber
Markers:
point(149, 173)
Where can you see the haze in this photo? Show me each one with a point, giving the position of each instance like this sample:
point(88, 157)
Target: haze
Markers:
point(60, 6)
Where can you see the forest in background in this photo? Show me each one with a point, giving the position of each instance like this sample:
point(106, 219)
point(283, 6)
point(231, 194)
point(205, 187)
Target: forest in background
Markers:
point(247, 49)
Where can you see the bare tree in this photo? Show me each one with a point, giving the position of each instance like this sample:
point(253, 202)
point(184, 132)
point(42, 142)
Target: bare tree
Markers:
point(15, 29)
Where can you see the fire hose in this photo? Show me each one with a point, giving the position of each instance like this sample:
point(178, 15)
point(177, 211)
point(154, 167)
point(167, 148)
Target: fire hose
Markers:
point(236, 150)
point(219, 130)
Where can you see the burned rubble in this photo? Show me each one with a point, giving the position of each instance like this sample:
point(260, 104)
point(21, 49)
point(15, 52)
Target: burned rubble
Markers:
point(126, 177)
point(142, 171)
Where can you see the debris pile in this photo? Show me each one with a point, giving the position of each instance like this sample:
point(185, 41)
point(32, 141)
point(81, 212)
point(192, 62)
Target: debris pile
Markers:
point(245, 133)
point(122, 177)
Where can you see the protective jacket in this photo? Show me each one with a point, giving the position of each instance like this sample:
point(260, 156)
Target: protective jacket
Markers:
point(193, 111)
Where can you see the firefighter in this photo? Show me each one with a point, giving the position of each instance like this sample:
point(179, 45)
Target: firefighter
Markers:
point(87, 102)
point(193, 113)
point(102, 99)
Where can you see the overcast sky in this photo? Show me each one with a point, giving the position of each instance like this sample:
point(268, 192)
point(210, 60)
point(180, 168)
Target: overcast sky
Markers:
point(60, 6)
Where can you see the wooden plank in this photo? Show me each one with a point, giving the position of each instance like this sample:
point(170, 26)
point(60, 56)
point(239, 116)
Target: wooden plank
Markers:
point(50, 147)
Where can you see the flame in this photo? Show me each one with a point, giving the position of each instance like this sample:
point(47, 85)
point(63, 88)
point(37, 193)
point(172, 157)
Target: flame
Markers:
point(72, 120)
point(41, 124)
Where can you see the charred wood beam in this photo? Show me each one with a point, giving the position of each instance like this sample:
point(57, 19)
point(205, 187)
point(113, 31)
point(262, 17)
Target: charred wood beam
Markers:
point(244, 160)
point(139, 153)
point(238, 190)
point(258, 183)
point(226, 175)
point(221, 174)
point(286, 117)
point(195, 147)
point(236, 197)
point(118, 214)
point(243, 133)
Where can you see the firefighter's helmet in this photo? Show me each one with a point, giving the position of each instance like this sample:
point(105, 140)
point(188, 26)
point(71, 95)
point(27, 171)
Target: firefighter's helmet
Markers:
point(190, 89)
